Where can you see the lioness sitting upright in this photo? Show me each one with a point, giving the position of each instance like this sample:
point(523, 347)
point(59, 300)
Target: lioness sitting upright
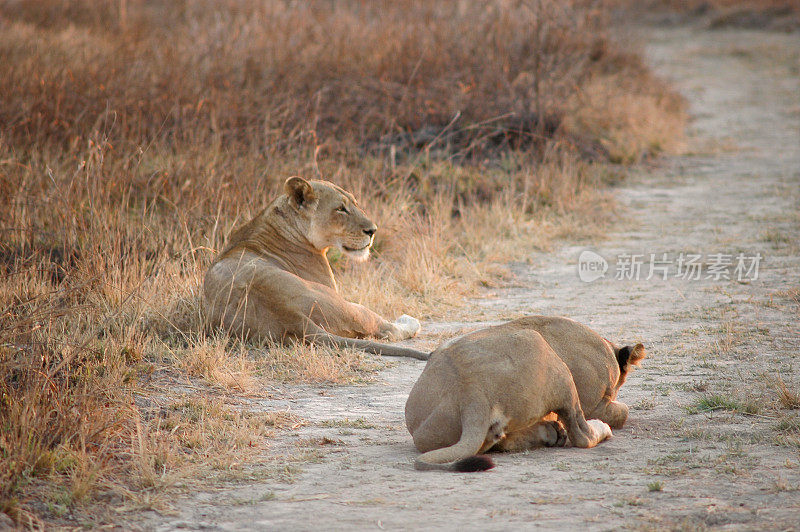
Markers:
point(496, 389)
point(274, 281)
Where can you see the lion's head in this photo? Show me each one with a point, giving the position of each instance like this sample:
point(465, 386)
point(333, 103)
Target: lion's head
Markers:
point(330, 216)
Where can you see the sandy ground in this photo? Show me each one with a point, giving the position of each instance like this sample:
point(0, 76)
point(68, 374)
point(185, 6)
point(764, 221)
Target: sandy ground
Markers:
point(737, 191)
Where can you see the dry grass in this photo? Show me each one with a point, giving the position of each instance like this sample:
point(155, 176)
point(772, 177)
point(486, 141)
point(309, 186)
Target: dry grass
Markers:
point(788, 396)
point(267, 76)
point(135, 136)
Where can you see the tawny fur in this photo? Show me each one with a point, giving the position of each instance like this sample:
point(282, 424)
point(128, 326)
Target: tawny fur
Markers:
point(274, 281)
point(516, 386)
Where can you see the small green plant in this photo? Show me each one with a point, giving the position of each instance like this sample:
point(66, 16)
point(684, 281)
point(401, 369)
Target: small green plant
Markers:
point(713, 402)
point(790, 424)
point(655, 486)
point(357, 423)
point(562, 466)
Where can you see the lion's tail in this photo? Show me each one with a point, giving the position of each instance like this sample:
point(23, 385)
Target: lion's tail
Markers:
point(471, 464)
point(317, 334)
point(382, 349)
point(462, 456)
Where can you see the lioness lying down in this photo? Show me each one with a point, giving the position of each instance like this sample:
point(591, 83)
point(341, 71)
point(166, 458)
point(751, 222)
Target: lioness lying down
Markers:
point(495, 389)
point(274, 280)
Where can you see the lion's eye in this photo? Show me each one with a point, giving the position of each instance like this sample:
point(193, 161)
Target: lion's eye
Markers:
point(343, 209)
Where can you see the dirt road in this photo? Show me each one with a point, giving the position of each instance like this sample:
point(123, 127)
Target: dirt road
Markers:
point(713, 344)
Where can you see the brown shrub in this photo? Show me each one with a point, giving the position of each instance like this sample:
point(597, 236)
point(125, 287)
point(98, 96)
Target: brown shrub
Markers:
point(270, 75)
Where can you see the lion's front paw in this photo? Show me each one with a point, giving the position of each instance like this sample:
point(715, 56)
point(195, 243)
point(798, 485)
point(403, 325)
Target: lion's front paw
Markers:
point(552, 434)
point(408, 326)
point(601, 428)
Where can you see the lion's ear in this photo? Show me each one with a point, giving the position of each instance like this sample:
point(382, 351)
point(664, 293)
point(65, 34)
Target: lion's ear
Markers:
point(637, 354)
point(630, 355)
point(300, 192)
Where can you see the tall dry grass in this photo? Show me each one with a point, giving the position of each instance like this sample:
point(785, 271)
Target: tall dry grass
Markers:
point(134, 136)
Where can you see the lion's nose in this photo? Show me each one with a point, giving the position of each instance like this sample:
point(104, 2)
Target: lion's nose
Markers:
point(370, 231)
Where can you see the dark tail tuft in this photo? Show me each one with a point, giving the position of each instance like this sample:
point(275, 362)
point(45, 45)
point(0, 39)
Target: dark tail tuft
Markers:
point(479, 462)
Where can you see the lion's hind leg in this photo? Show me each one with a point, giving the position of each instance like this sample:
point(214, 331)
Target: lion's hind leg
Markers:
point(442, 428)
point(454, 441)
